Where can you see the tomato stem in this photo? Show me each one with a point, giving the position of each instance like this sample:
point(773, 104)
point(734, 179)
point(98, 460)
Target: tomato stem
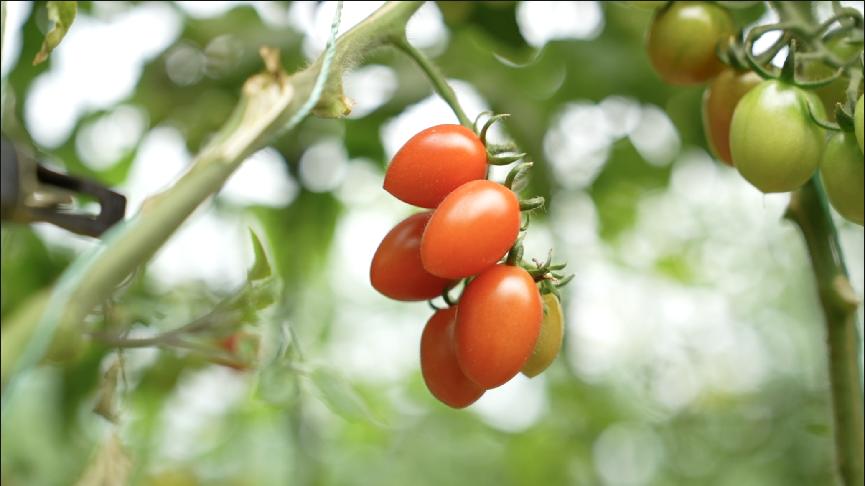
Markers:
point(809, 210)
point(435, 77)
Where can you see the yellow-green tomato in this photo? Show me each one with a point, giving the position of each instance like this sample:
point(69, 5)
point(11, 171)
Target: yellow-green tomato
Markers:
point(775, 144)
point(550, 339)
point(719, 102)
point(683, 38)
point(859, 124)
point(843, 173)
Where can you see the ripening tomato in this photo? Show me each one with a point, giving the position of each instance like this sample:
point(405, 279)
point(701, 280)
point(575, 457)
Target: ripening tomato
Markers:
point(683, 38)
point(843, 173)
point(498, 323)
point(397, 271)
point(438, 362)
point(775, 144)
point(471, 230)
point(859, 123)
point(435, 162)
point(719, 102)
point(550, 338)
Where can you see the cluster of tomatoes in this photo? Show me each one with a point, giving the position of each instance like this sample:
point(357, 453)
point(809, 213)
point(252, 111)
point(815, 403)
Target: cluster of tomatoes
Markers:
point(766, 128)
point(469, 233)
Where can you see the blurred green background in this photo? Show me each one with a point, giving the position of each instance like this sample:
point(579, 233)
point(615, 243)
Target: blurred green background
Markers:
point(694, 349)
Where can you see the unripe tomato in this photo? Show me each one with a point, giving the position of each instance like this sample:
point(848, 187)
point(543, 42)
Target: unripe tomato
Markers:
point(397, 271)
point(471, 230)
point(438, 362)
point(843, 173)
point(859, 123)
point(550, 338)
point(683, 38)
point(836, 91)
point(435, 162)
point(719, 102)
point(498, 323)
point(775, 144)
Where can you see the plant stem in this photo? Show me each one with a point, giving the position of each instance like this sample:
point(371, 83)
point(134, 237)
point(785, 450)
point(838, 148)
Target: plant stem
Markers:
point(809, 210)
point(270, 101)
point(436, 78)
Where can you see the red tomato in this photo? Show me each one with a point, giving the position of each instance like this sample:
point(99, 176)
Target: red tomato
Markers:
point(471, 230)
point(396, 269)
point(498, 324)
point(438, 363)
point(435, 162)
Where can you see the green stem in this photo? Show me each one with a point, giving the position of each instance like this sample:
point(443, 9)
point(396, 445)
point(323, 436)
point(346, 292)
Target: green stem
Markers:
point(436, 78)
point(270, 101)
point(809, 210)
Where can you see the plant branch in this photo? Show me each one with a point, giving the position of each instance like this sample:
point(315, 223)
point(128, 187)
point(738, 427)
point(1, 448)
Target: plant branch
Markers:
point(436, 78)
point(809, 210)
point(270, 102)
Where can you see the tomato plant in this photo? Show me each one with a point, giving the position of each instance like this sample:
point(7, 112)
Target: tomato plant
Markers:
point(843, 173)
point(774, 142)
point(683, 38)
point(471, 230)
point(498, 323)
point(435, 162)
point(836, 91)
point(719, 102)
point(438, 362)
point(396, 270)
point(550, 338)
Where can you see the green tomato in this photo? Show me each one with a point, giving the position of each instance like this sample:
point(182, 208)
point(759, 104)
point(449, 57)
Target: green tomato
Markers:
point(683, 38)
point(843, 173)
point(859, 124)
point(775, 144)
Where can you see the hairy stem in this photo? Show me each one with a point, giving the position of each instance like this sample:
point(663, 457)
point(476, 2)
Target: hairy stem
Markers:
point(809, 210)
point(436, 78)
point(270, 101)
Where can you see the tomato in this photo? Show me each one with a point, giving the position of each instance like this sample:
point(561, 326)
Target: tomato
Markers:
point(498, 323)
point(550, 338)
point(471, 230)
point(775, 144)
point(438, 362)
point(435, 162)
point(859, 123)
point(396, 269)
point(843, 173)
point(242, 346)
point(719, 102)
point(682, 41)
point(836, 91)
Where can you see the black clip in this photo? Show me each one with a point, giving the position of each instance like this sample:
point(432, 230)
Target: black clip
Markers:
point(18, 206)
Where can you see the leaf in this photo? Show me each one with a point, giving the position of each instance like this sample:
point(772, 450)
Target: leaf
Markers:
point(62, 13)
point(341, 397)
point(261, 266)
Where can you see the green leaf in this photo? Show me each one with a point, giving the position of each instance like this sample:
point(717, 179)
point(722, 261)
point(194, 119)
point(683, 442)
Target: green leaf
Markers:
point(62, 14)
point(341, 397)
point(261, 267)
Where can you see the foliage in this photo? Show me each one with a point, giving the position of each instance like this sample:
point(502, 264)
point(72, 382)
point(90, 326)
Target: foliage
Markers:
point(714, 366)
